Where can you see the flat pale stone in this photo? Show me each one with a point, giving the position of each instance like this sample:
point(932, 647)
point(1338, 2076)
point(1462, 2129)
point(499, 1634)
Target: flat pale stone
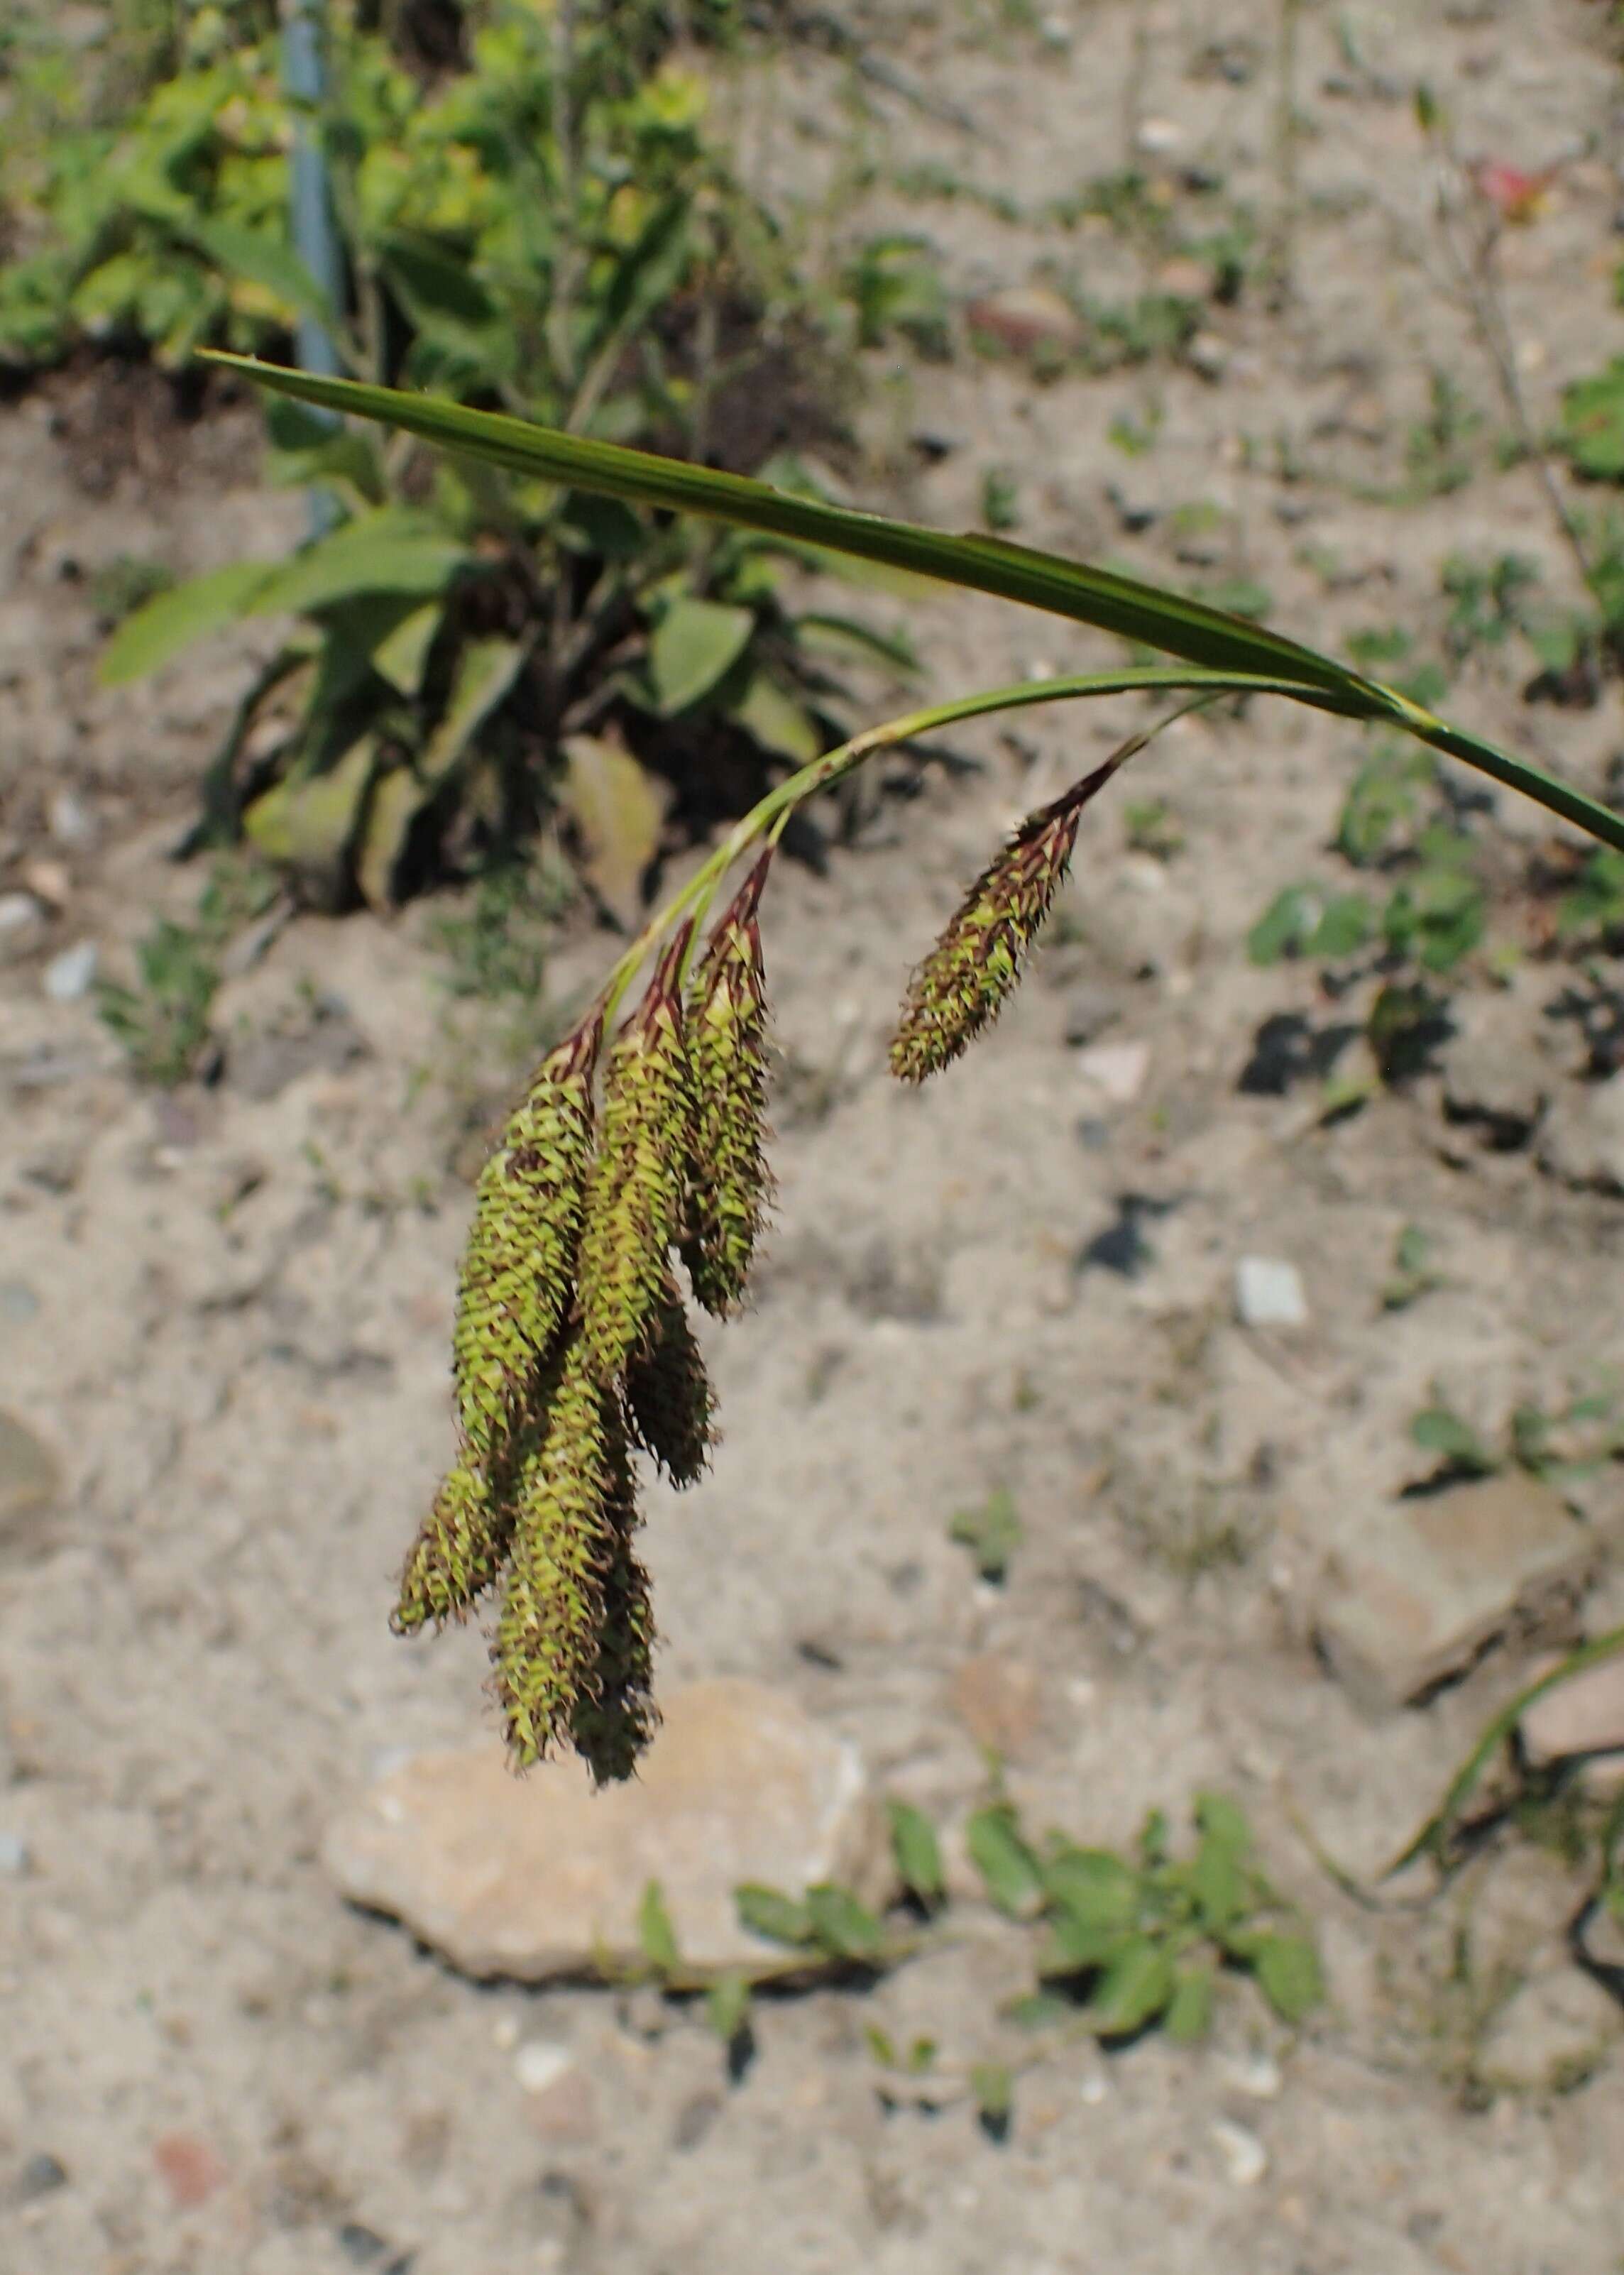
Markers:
point(1585, 1715)
point(1583, 1140)
point(542, 1876)
point(1431, 1582)
point(1556, 2031)
point(30, 1490)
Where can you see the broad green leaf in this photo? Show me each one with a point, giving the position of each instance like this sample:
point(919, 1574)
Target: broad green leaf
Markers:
point(1012, 1874)
point(778, 723)
point(343, 460)
point(485, 669)
point(1593, 422)
point(1134, 1989)
point(1093, 1886)
point(727, 2007)
point(401, 655)
point(1224, 1822)
point(603, 524)
point(1437, 1430)
point(263, 259)
point(917, 1852)
point(1115, 603)
point(1190, 2010)
point(695, 643)
point(1220, 1883)
point(656, 1936)
point(1346, 923)
point(768, 1912)
point(1286, 926)
point(1039, 2010)
point(1289, 1974)
point(388, 550)
point(173, 620)
point(440, 292)
point(1075, 1945)
point(845, 1927)
point(395, 802)
point(308, 823)
point(618, 809)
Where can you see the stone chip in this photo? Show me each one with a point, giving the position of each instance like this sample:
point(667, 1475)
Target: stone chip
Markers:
point(541, 1877)
point(1431, 1582)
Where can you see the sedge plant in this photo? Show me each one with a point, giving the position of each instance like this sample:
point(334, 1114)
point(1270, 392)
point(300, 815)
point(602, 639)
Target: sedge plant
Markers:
point(631, 1179)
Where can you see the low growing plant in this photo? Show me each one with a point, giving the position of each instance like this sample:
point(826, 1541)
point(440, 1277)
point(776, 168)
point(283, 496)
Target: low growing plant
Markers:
point(551, 230)
point(1122, 1943)
point(636, 1158)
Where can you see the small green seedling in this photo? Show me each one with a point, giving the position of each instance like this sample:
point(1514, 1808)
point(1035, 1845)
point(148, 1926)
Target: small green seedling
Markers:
point(1133, 1942)
point(1413, 1276)
point(992, 1533)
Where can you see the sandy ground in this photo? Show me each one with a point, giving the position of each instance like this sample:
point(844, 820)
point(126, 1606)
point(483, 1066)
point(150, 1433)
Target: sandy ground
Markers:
point(226, 1311)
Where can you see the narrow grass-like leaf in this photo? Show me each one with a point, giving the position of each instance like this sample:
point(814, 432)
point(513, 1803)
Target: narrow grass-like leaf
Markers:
point(1433, 1836)
point(1138, 612)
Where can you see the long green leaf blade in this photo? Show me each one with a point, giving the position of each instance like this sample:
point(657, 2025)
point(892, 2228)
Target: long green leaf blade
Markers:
point(1180, 626)
point(171, 621)
point(1014, 572)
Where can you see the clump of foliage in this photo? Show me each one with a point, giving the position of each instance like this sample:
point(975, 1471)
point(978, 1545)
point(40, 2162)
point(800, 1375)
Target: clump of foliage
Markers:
point(1559, 1446)
point(1122, 1943)
point(636, 1159)
point(162, 1021)
point(552, 230)
point(1431, 917)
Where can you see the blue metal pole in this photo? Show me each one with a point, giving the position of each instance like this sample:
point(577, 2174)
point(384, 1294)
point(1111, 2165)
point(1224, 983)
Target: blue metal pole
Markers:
point(315, 230)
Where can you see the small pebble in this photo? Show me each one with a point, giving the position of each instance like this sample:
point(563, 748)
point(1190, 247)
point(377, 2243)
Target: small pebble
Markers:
point(1268, 1293)
point(49, 882)
point(1258, 2076)
point(540, 2063)
point(1246, 2160)
point(1157, 136)
point(18, 1301)
point(1092, 2090)
point(71, 820)
point(68, 977)
point(504, 2033)
point(14, 1855)
point(1116, 1069)
point(42, 2176)
point(19, 913)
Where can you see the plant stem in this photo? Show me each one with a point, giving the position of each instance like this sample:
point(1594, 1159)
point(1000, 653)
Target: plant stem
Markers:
point(770, 813)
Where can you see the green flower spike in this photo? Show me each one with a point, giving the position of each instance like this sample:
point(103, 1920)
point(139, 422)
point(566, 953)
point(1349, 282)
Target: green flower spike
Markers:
point(969, 975)
point(668, 1399)
point(615, 1715)
point(635, 1189)
point(518, 1269)
point(729, 1186)
point(455, 1556)
point(549, 1632)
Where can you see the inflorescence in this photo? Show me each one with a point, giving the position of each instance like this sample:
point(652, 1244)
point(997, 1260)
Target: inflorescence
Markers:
point(621, 1171)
